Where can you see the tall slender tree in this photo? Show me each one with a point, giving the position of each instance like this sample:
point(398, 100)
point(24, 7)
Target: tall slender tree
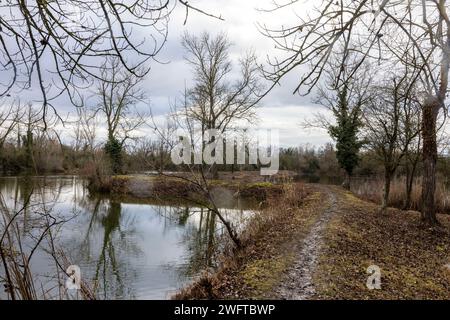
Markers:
point(216, 100)
point(118, 94)
point(345, 98)
point(345, 132)
point(391, 124)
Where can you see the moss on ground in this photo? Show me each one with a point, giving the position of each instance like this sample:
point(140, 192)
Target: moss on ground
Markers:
point(262, 275)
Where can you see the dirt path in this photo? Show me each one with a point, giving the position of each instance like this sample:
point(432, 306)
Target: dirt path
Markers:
point(298, 283)
point(320, 247)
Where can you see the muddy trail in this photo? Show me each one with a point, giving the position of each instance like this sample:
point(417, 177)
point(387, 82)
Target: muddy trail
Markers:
point(297, 284)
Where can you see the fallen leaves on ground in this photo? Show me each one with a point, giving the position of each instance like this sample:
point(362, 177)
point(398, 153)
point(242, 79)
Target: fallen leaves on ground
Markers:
point(412, 257)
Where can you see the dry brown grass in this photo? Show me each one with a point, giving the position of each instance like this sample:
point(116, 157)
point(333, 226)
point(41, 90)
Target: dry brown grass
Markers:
point(371, 189)
point(412, 257)
point(166, 187)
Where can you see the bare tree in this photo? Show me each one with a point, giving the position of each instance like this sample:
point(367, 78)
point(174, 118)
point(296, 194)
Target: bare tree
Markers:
point(58, 46)
point(382, 30)
point(9, 116)
point(391, 121)
point(165, 134)
point(31, 123)
point(85, 130)
point(215, 101)
point(193, 174)
point(119, 92)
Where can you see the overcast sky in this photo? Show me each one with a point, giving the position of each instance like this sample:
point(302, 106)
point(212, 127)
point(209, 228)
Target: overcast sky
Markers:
point(279, 110)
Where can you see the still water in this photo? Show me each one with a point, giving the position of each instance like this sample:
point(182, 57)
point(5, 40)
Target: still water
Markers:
point(130, 249)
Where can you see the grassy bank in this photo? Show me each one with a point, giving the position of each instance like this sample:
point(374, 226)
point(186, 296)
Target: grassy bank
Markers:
point(412, 258)
point(172, 188)
point(268, 249)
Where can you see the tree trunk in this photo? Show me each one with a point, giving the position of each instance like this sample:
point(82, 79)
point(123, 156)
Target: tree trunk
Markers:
point(410, 175)
point(409, 184)
point(386, 190)
point(346, 183)
point(215, 171)
point(408, 188)
point(430, 112)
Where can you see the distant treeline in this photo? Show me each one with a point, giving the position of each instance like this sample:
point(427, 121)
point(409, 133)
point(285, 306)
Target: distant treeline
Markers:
point(36, 153)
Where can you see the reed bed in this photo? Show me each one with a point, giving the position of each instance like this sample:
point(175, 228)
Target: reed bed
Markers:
point(371, 189)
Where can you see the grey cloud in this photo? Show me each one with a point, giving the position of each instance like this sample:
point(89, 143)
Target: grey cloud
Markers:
point(280, 109)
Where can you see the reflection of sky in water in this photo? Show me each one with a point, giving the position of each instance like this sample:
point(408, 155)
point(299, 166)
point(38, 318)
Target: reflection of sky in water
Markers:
point(133, 250)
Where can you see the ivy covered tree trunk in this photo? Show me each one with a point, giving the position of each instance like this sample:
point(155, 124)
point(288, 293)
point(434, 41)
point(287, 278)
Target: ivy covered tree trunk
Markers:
point(345, 133)
point(113, 149)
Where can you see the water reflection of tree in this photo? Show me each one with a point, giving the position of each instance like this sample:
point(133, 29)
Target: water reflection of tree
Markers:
point(105, 244)
point(104, 217)
point(31, 194)
point(111, 223)
point(207, 241)
point(203, 231)
point(32, 228)
point(202, 243)
point(110, 272)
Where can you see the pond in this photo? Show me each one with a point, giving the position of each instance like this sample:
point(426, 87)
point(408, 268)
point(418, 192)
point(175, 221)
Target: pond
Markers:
point(125, 248)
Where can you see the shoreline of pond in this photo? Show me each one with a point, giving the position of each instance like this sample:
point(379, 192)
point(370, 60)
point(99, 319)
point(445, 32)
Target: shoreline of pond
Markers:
point(188, 232)
point(166, 188)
